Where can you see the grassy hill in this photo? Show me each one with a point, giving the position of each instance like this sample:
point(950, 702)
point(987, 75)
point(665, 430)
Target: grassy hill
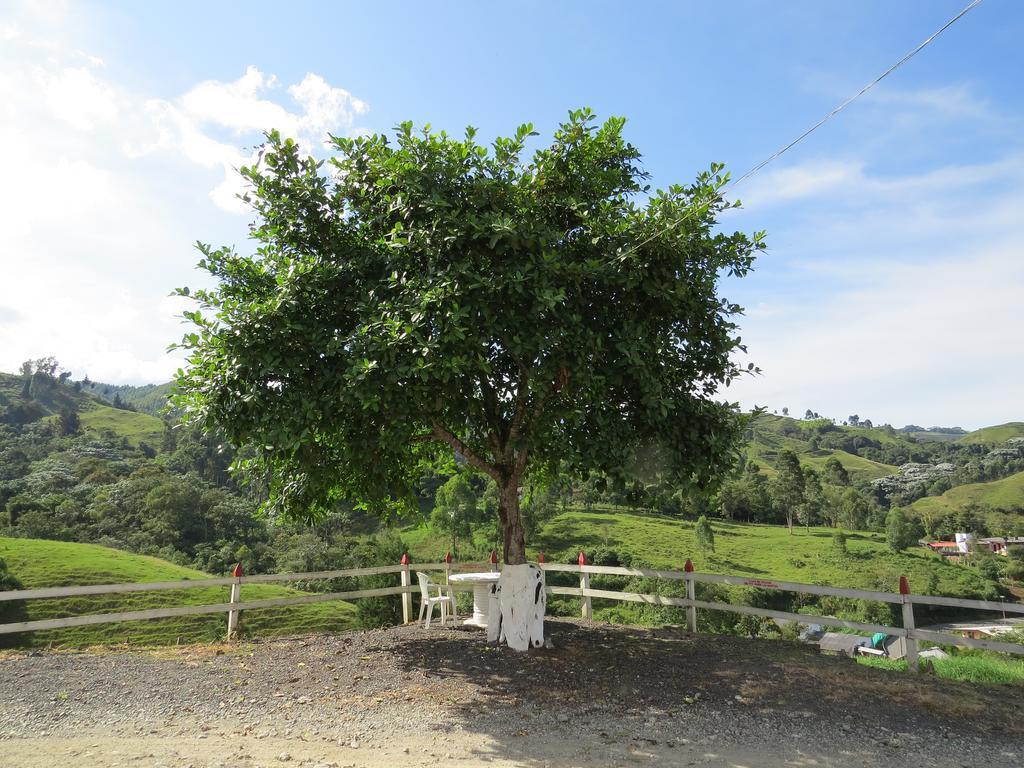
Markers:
point(1006, 494)
point(857, 467)
point(770, 435)
point(148, 398)
point(137, 427)
point(37, 563)
point(994, 435)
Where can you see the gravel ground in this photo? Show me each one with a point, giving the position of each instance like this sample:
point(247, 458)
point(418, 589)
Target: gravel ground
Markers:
point(605, 695)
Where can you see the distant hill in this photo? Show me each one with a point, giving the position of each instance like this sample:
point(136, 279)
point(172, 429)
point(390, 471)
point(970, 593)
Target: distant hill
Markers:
point(148, 398)
point(136, 427)
point(46, 398)
point(994, 435)
point(770, 434)
point(1005, 495)
point(38, 563)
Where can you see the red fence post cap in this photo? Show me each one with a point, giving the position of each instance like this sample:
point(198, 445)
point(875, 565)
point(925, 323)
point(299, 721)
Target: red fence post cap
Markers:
point(405, 559)
point(582, 558)
point(494, 556)
point(237, 570)
point(448, 558)
point(904, 586)
point(689, 566)
point(540, 558)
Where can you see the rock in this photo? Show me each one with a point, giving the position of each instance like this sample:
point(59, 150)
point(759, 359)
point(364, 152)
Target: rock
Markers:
point(284, 757)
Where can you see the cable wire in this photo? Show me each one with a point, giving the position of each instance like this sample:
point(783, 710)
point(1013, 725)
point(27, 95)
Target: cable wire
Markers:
point(778, 153)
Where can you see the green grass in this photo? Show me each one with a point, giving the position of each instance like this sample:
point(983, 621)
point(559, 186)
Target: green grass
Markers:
point(37, 563)
point(1007, 493)
point(994, 435)
point(987, 668)
point(757, 551)
point(857, 467)
point(137, 427)
point(760, 551)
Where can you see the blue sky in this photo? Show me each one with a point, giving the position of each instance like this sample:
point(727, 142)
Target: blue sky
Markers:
point(893, 281)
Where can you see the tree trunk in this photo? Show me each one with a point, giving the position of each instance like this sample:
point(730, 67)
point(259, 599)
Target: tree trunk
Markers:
point(512, 524)
point(520, 589)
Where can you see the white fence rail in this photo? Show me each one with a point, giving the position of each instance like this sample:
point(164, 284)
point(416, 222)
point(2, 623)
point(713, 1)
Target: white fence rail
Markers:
point(406, 589)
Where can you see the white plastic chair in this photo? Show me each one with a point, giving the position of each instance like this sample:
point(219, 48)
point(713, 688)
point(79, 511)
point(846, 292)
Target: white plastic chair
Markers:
point(443, 599)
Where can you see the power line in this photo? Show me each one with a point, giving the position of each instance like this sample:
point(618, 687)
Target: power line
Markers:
point(778, 153)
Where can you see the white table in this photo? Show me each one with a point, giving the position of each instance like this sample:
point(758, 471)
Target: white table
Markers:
point(481, 593)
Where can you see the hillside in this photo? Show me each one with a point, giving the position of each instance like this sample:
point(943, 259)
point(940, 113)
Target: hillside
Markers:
point(769, 435)
point(1006, 495)
point(994, 435)
point(148, 398)
point(104, 420)
point(38, 563)
point(759, 551)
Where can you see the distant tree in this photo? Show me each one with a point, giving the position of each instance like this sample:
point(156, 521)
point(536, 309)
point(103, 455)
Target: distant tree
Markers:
point(900, 532)
point(867, 423)
point(853, 510)
point(839, 543)
point(704, 535)
point(853, 420)
point(810, 509)
point(455, 510)
point(785, 411)
point(787, 487)
point(68, 421)
point(835, 472)
point(808, 414)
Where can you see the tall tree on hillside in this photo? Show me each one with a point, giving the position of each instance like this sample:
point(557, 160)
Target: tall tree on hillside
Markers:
point(455, 510)
point(787, 487)
point(835, 473)
point(900, 532)
point(704, 535)
point(810, 509)
point(431, 295)
point(68, 421)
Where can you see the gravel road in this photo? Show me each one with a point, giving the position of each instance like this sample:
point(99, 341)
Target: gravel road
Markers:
point(604, 696)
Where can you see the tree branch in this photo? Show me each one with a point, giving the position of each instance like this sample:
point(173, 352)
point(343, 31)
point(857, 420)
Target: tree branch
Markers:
point(442, 434)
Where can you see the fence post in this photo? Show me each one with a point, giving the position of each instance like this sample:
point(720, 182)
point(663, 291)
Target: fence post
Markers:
point(908, 623)
point(407, 595)
point(588, 609)
point(691, 595)
point(494, 560)
point(447, 567)
point(236, 597)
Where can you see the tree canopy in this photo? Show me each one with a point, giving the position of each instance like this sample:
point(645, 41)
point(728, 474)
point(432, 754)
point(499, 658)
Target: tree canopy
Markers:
point(430, 294)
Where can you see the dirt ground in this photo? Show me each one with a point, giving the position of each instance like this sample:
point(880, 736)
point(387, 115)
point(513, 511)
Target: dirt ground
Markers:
point(604, 696)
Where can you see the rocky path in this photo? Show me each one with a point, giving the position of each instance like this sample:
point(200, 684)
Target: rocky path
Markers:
point(604, 696)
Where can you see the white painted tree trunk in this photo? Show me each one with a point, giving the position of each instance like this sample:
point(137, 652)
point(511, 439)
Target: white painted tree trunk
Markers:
point(522, 604)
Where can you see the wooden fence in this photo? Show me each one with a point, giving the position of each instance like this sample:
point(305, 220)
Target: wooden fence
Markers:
point(405, 589)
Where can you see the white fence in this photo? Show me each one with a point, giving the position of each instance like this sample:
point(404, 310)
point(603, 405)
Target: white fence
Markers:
point(406, 589)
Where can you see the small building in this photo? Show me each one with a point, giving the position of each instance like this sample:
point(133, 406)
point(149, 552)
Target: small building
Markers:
point(945, 548)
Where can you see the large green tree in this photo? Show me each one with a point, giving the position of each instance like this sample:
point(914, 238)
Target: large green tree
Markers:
point(431, 294)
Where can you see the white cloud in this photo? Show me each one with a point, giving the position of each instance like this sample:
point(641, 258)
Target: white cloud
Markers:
point(77, 97)
point(99, 199)
point(958, 101)
point(208, 123)
point(896, 296)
